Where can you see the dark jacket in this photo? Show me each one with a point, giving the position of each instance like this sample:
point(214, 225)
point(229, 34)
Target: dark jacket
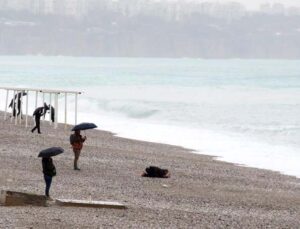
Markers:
point(39, 112)
point(48, 167)
point(77, 141)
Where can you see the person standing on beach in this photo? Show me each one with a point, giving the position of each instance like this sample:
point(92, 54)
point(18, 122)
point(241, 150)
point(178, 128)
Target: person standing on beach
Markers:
point(49, 172)
point(77, 141)
point(38, 113)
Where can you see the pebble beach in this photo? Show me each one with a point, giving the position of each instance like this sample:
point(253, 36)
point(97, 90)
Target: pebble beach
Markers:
point(201, 192)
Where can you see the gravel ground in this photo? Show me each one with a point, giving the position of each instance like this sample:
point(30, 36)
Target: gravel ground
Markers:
point(201, 193)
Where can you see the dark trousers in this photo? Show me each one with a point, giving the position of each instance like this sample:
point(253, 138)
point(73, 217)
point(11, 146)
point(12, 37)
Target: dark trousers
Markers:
point(48, 181)
point(37, 124)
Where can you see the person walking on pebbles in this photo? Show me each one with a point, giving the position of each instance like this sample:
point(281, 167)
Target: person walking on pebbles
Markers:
point(38, 113)
point(49, 171)
point(77, 141)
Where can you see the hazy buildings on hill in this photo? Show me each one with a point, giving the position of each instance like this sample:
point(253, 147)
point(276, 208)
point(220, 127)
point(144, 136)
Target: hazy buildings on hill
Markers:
point(148, 28)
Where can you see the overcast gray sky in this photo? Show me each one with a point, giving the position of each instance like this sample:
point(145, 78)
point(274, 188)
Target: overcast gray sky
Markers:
point(254, 4)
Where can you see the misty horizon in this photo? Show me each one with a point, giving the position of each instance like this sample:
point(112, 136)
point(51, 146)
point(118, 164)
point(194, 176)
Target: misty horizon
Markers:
point(140, 28)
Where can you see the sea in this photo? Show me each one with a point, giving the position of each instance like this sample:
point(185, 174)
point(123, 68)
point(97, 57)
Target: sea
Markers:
point(241, 111)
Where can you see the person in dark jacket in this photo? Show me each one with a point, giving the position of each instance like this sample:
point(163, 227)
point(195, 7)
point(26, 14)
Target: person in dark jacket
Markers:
point(38, 113)
point(49, 172)
point(16, 101)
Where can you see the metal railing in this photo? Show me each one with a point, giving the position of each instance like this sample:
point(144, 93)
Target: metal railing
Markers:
point(16, 100)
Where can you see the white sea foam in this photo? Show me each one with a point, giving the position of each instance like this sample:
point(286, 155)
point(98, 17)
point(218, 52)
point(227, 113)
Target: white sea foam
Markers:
point(246, 112)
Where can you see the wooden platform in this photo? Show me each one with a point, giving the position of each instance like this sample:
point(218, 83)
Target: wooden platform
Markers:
point(90, 204)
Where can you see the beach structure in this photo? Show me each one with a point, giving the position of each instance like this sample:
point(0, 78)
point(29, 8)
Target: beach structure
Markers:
point(12, 198)
point(53, 101)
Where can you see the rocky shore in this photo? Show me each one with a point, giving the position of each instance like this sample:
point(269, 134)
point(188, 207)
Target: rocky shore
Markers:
point(201, 193)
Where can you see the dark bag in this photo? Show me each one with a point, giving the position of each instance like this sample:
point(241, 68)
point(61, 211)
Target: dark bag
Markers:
point(154, 171)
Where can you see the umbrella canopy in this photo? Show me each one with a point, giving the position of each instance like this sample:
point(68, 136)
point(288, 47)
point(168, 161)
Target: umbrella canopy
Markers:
point(84, 126)
point(50, 152)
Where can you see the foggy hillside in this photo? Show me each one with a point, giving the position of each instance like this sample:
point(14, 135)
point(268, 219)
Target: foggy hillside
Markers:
point(139, 28)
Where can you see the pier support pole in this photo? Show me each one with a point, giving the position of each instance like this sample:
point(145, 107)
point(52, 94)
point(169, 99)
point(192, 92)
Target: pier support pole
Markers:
point(76, 107)
point(21, 106)
point(56, 110)
point(17, 107)
point(27, 99)
point(50, 105)
point(43, 105)
point(66, 109)
point(6, 104)
point(13, 107)
point(36, 99)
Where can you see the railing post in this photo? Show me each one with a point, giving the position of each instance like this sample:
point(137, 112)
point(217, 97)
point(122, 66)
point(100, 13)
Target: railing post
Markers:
point(36, 98)
point(76, 107)
point(66, 109)
point(43, 105)
point(56, 110)
point(50, 105)
point(21, 107)
point(17, 107)
point(13, 107)
point(27, 98)
point(6, 104)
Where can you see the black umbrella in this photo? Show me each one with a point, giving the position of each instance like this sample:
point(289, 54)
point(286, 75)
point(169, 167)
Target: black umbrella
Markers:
point(84, 126)
point(50, 152)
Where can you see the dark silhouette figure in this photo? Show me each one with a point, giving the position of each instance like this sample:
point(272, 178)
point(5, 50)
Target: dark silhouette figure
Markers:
point(49, 172)
point(17, 101)
point(13, 106)
point(38, 113)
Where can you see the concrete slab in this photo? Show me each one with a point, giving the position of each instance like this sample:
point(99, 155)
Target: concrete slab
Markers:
point(12, 198)
point(90, 204)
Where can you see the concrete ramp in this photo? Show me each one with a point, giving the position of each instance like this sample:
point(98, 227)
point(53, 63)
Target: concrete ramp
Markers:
point(90, 204)
point(11, 198)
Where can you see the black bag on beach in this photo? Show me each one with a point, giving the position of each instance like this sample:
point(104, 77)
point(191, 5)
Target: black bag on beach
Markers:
point(154, 171)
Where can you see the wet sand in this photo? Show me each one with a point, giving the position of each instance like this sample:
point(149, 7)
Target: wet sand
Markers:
point(201, 193)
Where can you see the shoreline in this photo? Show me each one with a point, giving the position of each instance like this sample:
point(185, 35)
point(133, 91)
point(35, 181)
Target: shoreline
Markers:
point(202, 191)
point(223, 155)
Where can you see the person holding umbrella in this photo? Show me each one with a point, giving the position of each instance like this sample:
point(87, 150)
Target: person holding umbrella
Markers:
point(49, 169)
point(76, 140)
point(38, 113)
